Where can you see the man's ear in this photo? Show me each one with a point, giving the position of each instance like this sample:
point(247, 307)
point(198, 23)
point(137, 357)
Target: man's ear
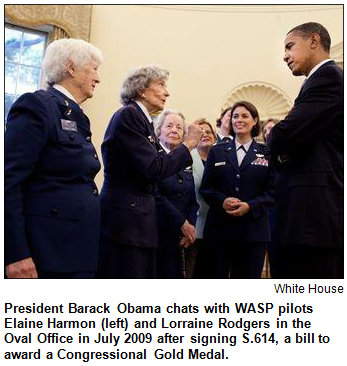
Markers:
point(70, 67)
point(315, 40)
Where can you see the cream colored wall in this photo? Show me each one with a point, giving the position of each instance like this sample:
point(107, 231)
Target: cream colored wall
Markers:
point(208, 53)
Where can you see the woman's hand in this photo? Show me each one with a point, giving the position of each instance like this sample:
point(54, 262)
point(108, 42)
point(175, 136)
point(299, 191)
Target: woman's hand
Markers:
point(238, 208)
point(185, 243)
point(189, 232)
point(22, 269)
point(193, 136)
point(228, 202)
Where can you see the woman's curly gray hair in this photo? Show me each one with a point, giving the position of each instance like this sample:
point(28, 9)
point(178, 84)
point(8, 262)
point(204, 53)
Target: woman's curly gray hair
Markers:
point(138, 81)
point(161, 118)
point(59, 52)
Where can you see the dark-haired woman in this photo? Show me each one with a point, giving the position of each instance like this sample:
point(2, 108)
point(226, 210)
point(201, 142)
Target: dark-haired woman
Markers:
point(238, 186)
point(223, 125)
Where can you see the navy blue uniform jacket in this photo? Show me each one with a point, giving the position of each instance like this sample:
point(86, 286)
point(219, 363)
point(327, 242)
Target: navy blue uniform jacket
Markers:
point(309, 189)
point(176, 203)
point(252, 182)
point(132, 168)
point(52, 209)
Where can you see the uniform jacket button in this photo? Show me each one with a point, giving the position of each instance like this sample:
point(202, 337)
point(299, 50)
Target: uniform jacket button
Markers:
point(237, 189)
point(180, 181)
point(237, 175)
point(179, 194)
point(133, 204)
point(88, 138)
point(95, 192)
point(71, 137)
point(96, 156)
point(54, 211)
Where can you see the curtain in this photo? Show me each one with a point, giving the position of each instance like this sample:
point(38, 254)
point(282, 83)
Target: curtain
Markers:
point(69, 21)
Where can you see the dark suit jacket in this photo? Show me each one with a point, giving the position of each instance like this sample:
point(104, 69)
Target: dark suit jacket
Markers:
point(133, 167)
point(52, 210)
point(176, 203)
point(309, 192)
point(251, 182)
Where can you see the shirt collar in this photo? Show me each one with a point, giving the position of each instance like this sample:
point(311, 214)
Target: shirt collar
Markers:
point(164, 148)
point(222, 137)
point(246, 146)
point(144, 110)
point(64, 91)
point(318, 66)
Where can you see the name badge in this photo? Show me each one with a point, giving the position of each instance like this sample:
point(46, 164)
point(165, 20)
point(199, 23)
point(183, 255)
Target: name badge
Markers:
point(220, 163)
point(67, 125)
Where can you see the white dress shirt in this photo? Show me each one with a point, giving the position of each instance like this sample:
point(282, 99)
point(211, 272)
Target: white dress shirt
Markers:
point(164, 148)
point(144, 110)
point(317, 67)
point(240, 153)
point(64, 91)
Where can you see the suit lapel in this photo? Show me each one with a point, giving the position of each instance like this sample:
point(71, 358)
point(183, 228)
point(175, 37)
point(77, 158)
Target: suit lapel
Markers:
point(230, 150)
point(148, 124)
point(70, 110)
point(306, 84)
point(143, 116)
point(250, 155)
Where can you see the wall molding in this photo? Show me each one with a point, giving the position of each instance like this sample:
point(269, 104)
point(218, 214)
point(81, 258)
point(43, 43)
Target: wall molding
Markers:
point(336, 53)
point(270, 100)
point(254, 8)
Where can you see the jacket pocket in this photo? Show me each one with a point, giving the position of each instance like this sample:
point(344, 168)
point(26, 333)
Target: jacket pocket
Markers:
point(69, 138)
point(132, 202)
point(308, 179)
point(55, 208)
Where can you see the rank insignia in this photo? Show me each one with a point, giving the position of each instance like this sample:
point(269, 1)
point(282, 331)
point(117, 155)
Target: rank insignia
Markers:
point(151, 139)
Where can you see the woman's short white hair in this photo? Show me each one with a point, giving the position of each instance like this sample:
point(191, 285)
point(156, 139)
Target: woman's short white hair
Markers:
point(58, 53)
point(138, 80)
point(161, 119)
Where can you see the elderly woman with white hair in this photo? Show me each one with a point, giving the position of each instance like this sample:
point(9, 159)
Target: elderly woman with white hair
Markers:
point(132, 168)
point(52, 209)
point(176, 201)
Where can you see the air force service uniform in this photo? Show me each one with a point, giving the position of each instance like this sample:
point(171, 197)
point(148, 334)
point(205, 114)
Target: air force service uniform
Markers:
point(237, 243)
point(133, 167)
point(176, 203)
point(52, 211)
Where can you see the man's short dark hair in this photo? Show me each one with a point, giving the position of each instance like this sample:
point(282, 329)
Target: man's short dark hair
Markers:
point(219, 120)
point(306, 29)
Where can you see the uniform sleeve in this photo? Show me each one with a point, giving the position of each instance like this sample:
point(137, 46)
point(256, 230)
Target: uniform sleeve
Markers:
point(207, 187)
point(315, 112)
point(168, 213)
point(25, 139)
point(193, 206)
point(133, 143)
